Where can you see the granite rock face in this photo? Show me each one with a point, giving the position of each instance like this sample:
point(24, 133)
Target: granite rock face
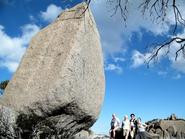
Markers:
point(84, 134)
point(88, 134)
point(58, 89)
point(168, 128)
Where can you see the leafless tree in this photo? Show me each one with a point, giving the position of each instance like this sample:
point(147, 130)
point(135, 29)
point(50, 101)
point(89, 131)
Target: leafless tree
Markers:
point(157, 10)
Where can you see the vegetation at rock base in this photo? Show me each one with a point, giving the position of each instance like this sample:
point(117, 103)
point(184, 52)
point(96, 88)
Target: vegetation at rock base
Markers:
point(3, 84)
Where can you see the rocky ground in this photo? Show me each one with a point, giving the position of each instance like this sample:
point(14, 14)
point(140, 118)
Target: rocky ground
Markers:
point(89, 135)
point(170, 128)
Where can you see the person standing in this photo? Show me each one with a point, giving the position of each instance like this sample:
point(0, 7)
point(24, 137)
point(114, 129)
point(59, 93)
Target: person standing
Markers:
point(115, 124)
point(141, 133)
point(132, 126)
point(141, 126)
point(126, 127)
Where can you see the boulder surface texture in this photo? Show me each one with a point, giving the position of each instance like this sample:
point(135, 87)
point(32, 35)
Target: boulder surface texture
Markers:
point(58, 89)
point(168, 129)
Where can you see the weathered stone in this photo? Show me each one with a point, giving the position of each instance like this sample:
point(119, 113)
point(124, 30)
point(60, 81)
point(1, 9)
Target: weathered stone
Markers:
point(59, 84)
point(89, 135)
point(84, 135)
point(100, 136)
point(168, 129)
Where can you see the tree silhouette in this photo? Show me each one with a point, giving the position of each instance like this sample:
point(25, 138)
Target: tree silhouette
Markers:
point(3, 85)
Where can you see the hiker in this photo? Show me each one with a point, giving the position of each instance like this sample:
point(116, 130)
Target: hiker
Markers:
point(141, 134)
point(132, 126)
point(115, 124)
point(126, 127)
point(141, 126)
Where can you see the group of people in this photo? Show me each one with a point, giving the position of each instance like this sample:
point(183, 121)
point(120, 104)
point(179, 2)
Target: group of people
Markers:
point(130, 127)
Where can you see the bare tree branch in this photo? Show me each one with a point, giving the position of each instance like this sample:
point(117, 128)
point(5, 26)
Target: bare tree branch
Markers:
point(121, 6)
point(158, 10)
point(168, 44)
point(88, 3)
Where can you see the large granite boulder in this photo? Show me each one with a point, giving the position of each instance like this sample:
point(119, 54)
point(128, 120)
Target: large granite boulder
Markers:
point(58, 89)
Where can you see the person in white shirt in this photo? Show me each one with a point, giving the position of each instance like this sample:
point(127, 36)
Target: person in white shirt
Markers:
point(126, 127)
point(115, 124)
point(141, 126)
point(142, 133)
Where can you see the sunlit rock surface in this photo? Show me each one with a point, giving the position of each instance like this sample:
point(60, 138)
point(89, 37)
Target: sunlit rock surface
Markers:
point(58, 89)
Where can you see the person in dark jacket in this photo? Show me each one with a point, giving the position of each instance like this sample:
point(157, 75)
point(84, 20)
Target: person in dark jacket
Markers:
point(133, 126)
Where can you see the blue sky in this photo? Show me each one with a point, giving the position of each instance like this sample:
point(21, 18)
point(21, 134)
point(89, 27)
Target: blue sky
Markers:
point(131, 87)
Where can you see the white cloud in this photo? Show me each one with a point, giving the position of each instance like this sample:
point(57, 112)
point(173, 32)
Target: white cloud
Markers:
point(163, 73)
point(178, 76)
point(13, 48)
point(178, 64)
point(32, 18)
point(110, 28)
point(119, 59)
point(138, 59)
point(113, 67)
point(28, 31)
point(10, 64)
point(51, 13)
